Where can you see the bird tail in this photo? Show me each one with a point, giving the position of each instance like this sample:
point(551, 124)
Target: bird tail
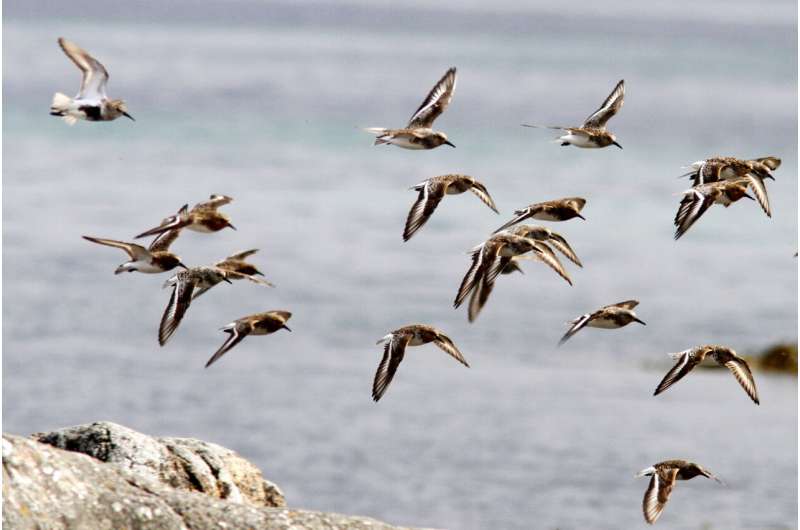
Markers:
point(380, 132)
point(62, 103)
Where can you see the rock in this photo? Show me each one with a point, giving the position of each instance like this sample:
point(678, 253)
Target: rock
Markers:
point(182, 463)
point(128, 485)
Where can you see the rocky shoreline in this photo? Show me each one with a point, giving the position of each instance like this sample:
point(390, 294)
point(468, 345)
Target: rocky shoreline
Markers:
point(106, 476)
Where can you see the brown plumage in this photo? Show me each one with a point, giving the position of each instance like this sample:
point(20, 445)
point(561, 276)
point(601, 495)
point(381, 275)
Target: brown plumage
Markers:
point(664, 474)
point(555, 210)
point(239, 269)
point(608, 317)
point(203, 217)
point(723, 355)
point(152, 260)
point(395, 349)
point(433, 190)
point(258, 324)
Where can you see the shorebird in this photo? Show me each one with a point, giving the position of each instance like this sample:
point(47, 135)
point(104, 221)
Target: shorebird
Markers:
point(152, 260)
point(91, 103)
point(239, 269)
point(555, 210)
point(664, 474)
point(593, 132)
point(186, 286)
point(395, 349)
point(700, 198)
point(725, 356)
point(612, 316)
point(203, 217)
point(433, 190)
point(258, 324)
point(491, 258)
point(418, 134)
point(544, 234)
point(727, 167)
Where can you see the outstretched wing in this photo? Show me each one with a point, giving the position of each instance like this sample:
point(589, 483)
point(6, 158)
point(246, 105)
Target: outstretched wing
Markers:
point(242, 255)
point(610, 106)
point(693, 205)
point(474, 273)
point(627, 304)
point(429, 198)
point(95, 76)
point(176, 308)
point(393, 354)
point(483, 194)
point(237, 333)
point(577, 325)
point(519, 215)
point(136, 252)
point(740, 370)
point(213, 202)
point(657, 494)
point(548, 257)
point(760, 190)
point(560, 244)
point(164, 240)
point(685, 363)
point(446, 345)
point(436, 101)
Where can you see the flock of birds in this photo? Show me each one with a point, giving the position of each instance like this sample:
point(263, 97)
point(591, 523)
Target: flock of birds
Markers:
point(717, 180)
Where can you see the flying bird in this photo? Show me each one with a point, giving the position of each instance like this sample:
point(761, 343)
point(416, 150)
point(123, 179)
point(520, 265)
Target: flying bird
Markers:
point(91, 103)
point(433, 190)
point(664, 474)
point(727, 167)
point(418, 134)
point(203, 217)
point(186, 286)
point(258, 324)
point(395, 350)
point(555, 210)
point(612, 316)
point(151, 260)
point(593, 132)
point(723, 355)
point(239, 269)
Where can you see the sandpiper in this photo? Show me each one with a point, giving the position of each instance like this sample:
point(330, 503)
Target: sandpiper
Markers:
point(612, 316)
point(91, 103)
point(186, 285)
point(664, 476)
point(418, 134)
point(152, 260)
point(593, 132)
point(203, 217)
point(700, 198)
point(727, 167)
point(239, 269)
point(258, 324)
point(555, 210)
point(395, 349)
point(544, 234)
point(725, 356)
point(433, 190)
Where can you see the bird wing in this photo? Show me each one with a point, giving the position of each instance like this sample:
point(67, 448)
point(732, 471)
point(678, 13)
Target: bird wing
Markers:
point(760, 190)
point(610, 106)
point(176, 308)
point(685, 364)
point(740, 370)
point(136, 252)
point(478, 298)
point(483, 194)
point(560, 244)
point(242, 276)
point(213, 202)
point(657, 494)
point(445, 343)
point(577, 325)
point(435, 102)
point(242, 255)
point(237, 333)
point(519, 215)
point(474, 273)
point(393, 353)
point(429, 198)
point(164, 240)
point(627, 304)
point(693, 205)
point(95, 76)
point(548, 257)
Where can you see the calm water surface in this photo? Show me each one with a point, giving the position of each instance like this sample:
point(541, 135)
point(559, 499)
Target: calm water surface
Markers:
point(264, 102)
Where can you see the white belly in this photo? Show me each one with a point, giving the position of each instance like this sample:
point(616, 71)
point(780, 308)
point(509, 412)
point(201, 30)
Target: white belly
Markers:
point(404, 142)
point(578, 140)
point(146, 267)
point(199, 228)
point(544, 216)
point(603, 323)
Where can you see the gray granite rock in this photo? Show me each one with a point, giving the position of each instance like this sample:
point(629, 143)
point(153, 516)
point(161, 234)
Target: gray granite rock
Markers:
point(136, 483)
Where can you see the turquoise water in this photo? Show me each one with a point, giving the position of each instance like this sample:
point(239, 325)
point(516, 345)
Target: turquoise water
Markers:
point(264, 102)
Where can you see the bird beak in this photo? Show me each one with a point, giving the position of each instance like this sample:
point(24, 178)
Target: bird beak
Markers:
point(749, 197)
point(182, 265)
point(579, 215)
point(153, 231)
point(286, 327)
point(128, 116)
point(227, 280)
point(639, 321)
point(448, 143)
point(231, 226)
point(615, 143)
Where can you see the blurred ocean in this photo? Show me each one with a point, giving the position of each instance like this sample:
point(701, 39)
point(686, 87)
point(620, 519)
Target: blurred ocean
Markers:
point(264, 102)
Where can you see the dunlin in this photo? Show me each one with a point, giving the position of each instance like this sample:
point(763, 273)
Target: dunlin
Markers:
point(203, 217)
point(555, 210)
point(727, 167)
point(593, 132)
point(258, 324)
point(664, 474)
point(544, 234)
point(395, 349)
point(725, 356)
point(91, 103)
point(152, 260)
point(433, 190)
point(186, 285)
point(612, 316)
point(418, 134)
point(239, 269)
point(700, 198)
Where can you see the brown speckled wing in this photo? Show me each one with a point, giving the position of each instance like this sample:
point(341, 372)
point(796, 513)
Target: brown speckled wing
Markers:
point(610, 106)
point(657, 494)
point(435, 102)
point(176, 308)
point(429, 198)
point(393, 353)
